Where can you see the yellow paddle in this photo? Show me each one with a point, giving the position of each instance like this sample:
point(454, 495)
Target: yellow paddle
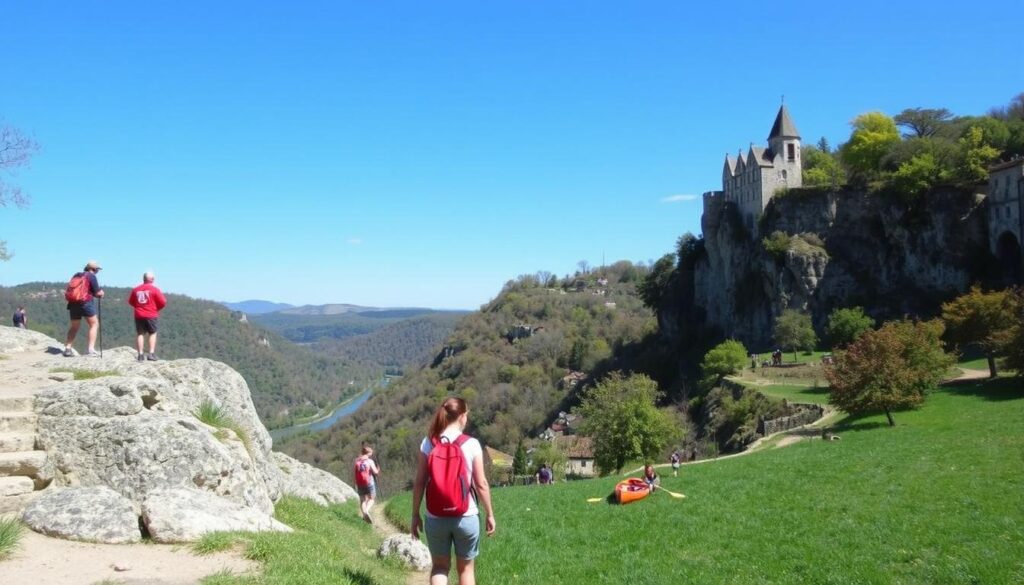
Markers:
point(593, 500)
point(671, 493)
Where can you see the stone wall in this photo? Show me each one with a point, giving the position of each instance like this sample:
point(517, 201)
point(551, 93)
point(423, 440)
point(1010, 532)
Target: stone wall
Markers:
point(808, 414)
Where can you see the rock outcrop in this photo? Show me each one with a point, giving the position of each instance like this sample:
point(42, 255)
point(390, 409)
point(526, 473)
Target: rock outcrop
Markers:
point(93, 514)
point(890, 258)
point(133, 431)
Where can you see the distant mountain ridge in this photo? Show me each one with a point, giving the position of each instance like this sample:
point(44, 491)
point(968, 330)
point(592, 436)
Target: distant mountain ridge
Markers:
point(257, 307)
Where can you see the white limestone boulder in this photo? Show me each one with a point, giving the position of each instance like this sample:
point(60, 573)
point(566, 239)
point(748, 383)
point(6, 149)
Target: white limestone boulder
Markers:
point(299, 479)
point(410, 551)
point(91, 514)
point(185, 515)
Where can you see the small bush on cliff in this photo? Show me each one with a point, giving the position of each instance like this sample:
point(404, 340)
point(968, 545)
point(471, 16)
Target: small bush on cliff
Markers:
point(215, 416)
point(890, 368)
point(777, 244)
point(10, 535)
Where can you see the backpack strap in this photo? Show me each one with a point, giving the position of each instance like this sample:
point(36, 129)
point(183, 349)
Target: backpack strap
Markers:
point(461, 439)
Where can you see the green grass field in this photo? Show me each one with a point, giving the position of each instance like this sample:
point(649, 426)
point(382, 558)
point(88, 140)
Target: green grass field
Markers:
point(937, 499)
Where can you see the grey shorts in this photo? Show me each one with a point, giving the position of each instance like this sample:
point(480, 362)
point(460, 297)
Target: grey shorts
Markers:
point(370, 490)
point(463, 532)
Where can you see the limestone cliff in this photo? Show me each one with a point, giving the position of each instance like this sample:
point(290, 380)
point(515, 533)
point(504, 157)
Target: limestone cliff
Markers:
point(126, 437)
point(857, 249)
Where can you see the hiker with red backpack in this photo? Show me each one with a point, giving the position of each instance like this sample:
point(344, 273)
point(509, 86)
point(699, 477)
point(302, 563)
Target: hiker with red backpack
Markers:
point(366, 471)
point(82, 294)
point(451, 476)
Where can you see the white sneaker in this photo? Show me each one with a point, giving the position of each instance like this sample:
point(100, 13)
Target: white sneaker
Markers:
point(92, 353)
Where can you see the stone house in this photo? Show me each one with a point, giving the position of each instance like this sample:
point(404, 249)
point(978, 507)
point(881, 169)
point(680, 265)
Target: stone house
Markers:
point(579, 451)
point(1006, 216)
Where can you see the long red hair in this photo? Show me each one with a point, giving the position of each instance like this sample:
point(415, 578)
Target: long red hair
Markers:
point(450, 411)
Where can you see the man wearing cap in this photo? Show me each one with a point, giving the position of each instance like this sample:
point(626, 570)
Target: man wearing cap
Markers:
point(87, 309)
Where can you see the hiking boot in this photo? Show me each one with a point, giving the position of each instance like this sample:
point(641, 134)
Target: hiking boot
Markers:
point(68, 352)
point(142, 357)
point(152, 357)
point(92, 353)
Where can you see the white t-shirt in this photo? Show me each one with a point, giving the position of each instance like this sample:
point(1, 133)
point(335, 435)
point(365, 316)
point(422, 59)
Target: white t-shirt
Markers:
point(471, 449)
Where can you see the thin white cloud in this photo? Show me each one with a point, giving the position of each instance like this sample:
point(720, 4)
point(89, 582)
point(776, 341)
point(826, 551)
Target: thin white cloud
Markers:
point(355, 241)
point(678, 198)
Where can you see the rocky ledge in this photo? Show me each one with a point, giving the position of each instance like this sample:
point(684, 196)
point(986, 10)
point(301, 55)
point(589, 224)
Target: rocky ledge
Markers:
point(127, 454)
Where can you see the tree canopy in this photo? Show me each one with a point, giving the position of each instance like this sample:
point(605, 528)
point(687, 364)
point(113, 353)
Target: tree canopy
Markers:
point(846, 324)
point(794, 331)
point(889, 369)
point(723, 360)
point(984, 319)
point(621, 416)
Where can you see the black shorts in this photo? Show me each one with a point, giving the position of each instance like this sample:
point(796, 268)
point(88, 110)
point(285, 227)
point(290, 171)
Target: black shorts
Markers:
point(145, 326)
point(79, 310)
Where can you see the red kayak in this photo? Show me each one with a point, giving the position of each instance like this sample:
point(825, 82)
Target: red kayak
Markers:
point(631, 490)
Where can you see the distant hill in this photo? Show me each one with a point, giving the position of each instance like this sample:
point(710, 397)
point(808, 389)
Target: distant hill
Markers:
point(330, 322)
point(397, 346)
point(257, 307)
point(287, 381)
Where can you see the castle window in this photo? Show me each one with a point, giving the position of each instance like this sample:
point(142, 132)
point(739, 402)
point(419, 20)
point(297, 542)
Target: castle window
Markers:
point(791, 152)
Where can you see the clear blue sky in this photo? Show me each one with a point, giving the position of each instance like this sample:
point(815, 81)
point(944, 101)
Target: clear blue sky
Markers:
point(423, 153)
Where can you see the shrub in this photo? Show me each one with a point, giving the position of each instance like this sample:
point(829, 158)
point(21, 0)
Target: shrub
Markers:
point(777, 244)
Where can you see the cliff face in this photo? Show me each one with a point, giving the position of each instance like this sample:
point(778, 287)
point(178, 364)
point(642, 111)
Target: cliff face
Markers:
point(869, 251)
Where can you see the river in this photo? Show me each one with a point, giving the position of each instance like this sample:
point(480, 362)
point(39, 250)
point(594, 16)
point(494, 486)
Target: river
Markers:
point(339, 413)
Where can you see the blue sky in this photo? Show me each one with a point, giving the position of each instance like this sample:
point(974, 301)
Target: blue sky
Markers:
point(413, 153)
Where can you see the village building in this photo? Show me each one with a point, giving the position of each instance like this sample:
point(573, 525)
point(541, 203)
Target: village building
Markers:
point(1006, 216)
point(579, 451)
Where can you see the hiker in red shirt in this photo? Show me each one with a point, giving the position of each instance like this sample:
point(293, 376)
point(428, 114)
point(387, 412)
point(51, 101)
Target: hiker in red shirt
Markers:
point(148, 301)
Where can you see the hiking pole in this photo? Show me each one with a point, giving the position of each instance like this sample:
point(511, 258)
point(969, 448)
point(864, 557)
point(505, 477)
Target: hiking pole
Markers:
point(99, 323)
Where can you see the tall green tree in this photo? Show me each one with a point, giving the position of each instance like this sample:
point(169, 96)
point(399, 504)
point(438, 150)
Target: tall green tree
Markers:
point(794, 331)
point(621, 416)
point(889, 369)
point(984, 319)
point(821, 169)
point(873, 135)
point(922, 122)
point(652, 289)
point(519, 460)
point(723, 360)
point(975, 156)
point(1014, 346)
point(846, 324)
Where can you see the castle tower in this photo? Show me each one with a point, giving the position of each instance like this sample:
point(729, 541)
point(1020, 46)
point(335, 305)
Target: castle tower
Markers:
point(784, 142)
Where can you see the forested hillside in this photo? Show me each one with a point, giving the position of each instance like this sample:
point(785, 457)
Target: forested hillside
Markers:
point(508, 360)
point(312, 324)
point(395, 347)
point(287, 381)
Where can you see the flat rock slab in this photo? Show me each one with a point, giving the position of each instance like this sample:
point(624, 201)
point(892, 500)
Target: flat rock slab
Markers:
point(184, 515)
point(91, 514)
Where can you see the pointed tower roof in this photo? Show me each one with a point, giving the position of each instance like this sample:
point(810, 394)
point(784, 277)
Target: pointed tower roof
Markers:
point(784, 126)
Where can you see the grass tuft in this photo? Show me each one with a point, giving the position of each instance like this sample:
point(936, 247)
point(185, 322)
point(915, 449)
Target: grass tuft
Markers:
point(11, 532)
point(214, 542)
point(215, 416)
point(86, 374)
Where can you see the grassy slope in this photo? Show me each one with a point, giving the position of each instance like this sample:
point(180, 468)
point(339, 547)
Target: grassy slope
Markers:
point(330, 546)
point(937, 499)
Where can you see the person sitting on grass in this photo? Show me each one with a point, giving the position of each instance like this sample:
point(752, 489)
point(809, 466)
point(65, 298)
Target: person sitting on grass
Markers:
point(651, 477)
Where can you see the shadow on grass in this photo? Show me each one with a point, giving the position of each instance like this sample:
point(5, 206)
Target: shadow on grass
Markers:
point(859, 423)
point(991, 389)
point(359, 577)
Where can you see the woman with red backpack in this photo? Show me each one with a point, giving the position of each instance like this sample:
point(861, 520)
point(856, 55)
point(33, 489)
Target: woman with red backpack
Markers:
point(366, 471)
point(451, 476)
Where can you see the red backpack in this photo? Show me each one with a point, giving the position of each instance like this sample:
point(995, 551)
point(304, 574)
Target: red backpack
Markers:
point(448, 482)
point(78, 289)
point(362, 472)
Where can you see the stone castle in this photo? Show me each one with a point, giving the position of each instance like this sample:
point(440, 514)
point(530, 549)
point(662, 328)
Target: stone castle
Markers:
point(751, 180)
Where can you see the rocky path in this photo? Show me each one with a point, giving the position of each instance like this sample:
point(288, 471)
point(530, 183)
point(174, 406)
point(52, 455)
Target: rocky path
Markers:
point(385, 528)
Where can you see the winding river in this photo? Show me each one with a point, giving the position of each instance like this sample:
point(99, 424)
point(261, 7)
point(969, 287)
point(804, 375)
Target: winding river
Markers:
point(343, 410)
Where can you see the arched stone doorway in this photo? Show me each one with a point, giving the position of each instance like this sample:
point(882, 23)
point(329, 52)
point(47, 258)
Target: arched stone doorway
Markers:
point(1008, 251)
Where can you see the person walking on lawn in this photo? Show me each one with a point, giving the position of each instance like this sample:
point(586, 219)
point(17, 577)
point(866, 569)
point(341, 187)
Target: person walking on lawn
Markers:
point(82, 296)
point(148, 301)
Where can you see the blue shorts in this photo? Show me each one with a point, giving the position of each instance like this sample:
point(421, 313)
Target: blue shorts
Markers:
point(463, 532)
point(370, 490)
point(79, 310)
